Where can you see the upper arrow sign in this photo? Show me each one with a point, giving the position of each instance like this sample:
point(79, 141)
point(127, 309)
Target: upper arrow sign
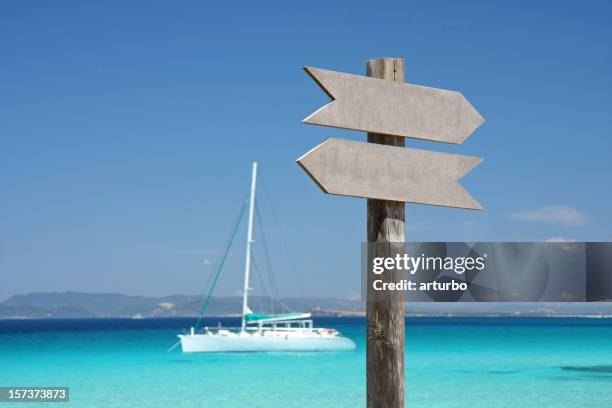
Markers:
point(370, 170)
point(393, 108)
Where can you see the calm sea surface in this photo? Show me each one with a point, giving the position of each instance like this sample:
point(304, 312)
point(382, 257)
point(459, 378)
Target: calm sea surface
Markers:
point(450, 362)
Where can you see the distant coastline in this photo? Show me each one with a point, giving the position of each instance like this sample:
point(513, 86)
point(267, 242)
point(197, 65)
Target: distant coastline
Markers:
point(338, 316)
point(63, 305)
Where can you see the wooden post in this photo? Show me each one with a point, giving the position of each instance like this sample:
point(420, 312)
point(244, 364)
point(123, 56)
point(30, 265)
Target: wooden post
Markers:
point(385, 318)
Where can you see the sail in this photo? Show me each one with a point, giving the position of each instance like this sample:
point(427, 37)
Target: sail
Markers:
point(266, 318)
point(248, 316)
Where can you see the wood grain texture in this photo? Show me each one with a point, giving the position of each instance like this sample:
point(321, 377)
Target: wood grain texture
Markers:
point(369, 170)
point(393, 107)
point(385, 318)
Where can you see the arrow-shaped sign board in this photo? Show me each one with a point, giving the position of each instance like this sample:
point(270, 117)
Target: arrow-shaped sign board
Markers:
point(393, 108)
point(369, 170)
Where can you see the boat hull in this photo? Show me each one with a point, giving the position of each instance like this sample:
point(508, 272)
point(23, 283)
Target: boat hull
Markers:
point(201, 343)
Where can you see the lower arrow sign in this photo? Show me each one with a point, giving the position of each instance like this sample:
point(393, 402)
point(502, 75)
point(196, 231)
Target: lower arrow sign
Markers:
point(369, 170)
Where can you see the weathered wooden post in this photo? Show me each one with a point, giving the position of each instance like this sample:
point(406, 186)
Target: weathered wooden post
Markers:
point(389, 175)
point(385, 316)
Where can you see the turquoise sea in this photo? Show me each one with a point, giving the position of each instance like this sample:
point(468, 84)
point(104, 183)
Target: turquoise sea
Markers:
point(450, 362)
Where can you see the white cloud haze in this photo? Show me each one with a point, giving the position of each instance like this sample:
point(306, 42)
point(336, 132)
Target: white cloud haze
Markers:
point(560, 239)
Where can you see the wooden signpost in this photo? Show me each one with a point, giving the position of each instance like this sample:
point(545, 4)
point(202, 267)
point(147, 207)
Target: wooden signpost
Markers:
point(388, 177)
point(393, 108)
point(368, 170)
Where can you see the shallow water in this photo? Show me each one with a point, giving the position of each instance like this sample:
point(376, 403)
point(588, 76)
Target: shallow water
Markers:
point(450, 362)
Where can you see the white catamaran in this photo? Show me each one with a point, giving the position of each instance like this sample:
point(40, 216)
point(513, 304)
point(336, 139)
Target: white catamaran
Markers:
point(262, 332)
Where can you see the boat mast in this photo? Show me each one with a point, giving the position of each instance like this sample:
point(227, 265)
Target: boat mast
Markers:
point(247, 264)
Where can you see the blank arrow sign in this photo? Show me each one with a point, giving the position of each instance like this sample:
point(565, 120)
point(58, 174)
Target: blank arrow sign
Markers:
point(369, 170)
point(393, 108)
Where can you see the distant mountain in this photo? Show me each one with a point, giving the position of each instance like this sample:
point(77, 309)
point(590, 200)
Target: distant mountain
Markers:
point(511, 308)
point(77, 304)
point(88, 305)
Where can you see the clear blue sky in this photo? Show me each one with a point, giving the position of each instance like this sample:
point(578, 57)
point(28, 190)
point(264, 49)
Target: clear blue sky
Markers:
point(127, 131)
